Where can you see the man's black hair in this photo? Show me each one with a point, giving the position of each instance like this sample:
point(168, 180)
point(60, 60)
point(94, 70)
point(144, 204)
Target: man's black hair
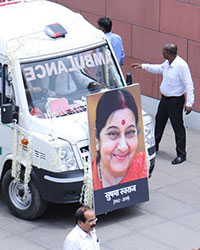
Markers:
point(79, 215)
point(171, 48)
point(105, 23)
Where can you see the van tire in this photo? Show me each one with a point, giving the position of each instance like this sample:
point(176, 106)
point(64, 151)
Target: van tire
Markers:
point(31, 207)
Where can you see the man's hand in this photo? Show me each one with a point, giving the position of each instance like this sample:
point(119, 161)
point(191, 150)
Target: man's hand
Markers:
point(187, 110)
point(96, 86)
point(34, 89)
point(136, 65)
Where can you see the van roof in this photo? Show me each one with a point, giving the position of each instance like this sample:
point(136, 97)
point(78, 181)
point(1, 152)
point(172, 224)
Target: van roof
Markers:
point(23, 23)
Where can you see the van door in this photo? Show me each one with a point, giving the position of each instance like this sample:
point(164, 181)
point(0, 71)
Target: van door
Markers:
point(6, 130)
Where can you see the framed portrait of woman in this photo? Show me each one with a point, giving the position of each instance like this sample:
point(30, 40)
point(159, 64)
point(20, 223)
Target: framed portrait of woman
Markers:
point(117, 148)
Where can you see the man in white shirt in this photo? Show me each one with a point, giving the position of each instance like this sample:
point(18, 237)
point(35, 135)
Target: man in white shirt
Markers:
point(83, 236)
point(176, 82)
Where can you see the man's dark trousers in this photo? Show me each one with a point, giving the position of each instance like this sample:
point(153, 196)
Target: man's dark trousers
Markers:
point(172, 108)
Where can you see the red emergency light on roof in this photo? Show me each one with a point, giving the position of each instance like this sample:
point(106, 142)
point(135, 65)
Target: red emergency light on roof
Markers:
point(55, 30)
point(8, 2)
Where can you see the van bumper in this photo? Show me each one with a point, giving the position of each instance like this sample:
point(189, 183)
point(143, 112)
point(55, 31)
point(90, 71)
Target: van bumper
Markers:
point(62, 187)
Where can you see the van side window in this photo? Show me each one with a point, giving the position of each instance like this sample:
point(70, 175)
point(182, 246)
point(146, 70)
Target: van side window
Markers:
point(7, 88)
point(0, 84)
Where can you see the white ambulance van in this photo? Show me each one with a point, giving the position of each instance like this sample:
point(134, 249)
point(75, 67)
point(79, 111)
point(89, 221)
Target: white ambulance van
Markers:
point(50, 59)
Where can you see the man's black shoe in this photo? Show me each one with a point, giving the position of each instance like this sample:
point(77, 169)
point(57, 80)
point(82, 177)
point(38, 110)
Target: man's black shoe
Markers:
point(179, 160)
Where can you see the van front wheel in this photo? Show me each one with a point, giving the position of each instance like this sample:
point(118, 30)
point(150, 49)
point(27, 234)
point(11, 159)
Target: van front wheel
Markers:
point(26, 204)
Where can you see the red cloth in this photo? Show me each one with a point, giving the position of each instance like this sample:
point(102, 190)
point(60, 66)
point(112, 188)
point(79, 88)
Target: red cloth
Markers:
point(36, 112)
point(137, 170)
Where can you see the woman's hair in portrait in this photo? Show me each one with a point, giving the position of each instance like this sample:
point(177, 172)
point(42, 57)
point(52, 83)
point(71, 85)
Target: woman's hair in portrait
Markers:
point(112, 101)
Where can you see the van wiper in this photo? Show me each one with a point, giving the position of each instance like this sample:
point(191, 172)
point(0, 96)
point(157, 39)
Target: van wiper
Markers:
point(72, 111)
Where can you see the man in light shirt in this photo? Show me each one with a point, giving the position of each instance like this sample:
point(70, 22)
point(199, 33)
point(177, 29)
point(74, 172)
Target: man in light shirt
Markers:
point(176, 82)
point(83, 236)
point(105, 24)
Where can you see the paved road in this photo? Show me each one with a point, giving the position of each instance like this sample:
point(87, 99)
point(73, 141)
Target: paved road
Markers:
point(170, 220)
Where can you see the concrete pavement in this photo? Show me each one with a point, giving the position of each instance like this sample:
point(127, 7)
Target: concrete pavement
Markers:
point(169, 221)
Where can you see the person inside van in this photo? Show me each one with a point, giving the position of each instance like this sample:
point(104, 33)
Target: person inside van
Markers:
point(68, 85)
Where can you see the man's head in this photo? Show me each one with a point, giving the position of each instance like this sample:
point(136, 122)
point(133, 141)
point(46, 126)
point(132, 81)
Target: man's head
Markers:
point(85, 218)
point(170, 51)
point(105, 24)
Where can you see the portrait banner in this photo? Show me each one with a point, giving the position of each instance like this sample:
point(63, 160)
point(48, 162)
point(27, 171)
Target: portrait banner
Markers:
point(117, 148)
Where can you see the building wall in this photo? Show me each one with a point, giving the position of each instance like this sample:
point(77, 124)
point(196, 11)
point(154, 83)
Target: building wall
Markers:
point(145, 26)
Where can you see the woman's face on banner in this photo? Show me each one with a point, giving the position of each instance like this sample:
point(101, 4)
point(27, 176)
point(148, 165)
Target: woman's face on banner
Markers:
point(118, 142)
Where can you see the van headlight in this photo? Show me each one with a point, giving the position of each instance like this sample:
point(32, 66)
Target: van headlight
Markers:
point(66, 155)
point(149, 134)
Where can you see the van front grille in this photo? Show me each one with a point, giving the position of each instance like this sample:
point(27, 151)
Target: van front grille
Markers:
point(40, 155)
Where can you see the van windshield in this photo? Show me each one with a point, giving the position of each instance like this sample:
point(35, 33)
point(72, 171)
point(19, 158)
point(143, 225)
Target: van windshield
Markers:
point(59, 86)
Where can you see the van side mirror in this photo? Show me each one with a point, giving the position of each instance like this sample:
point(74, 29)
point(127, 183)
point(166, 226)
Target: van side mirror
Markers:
point(129, 78)
point(9, 113)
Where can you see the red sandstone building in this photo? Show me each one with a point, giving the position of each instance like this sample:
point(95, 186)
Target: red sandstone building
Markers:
point(145, 26)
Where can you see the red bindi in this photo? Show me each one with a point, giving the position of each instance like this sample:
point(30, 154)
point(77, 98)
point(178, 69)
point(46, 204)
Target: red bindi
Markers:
point(123, 122)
